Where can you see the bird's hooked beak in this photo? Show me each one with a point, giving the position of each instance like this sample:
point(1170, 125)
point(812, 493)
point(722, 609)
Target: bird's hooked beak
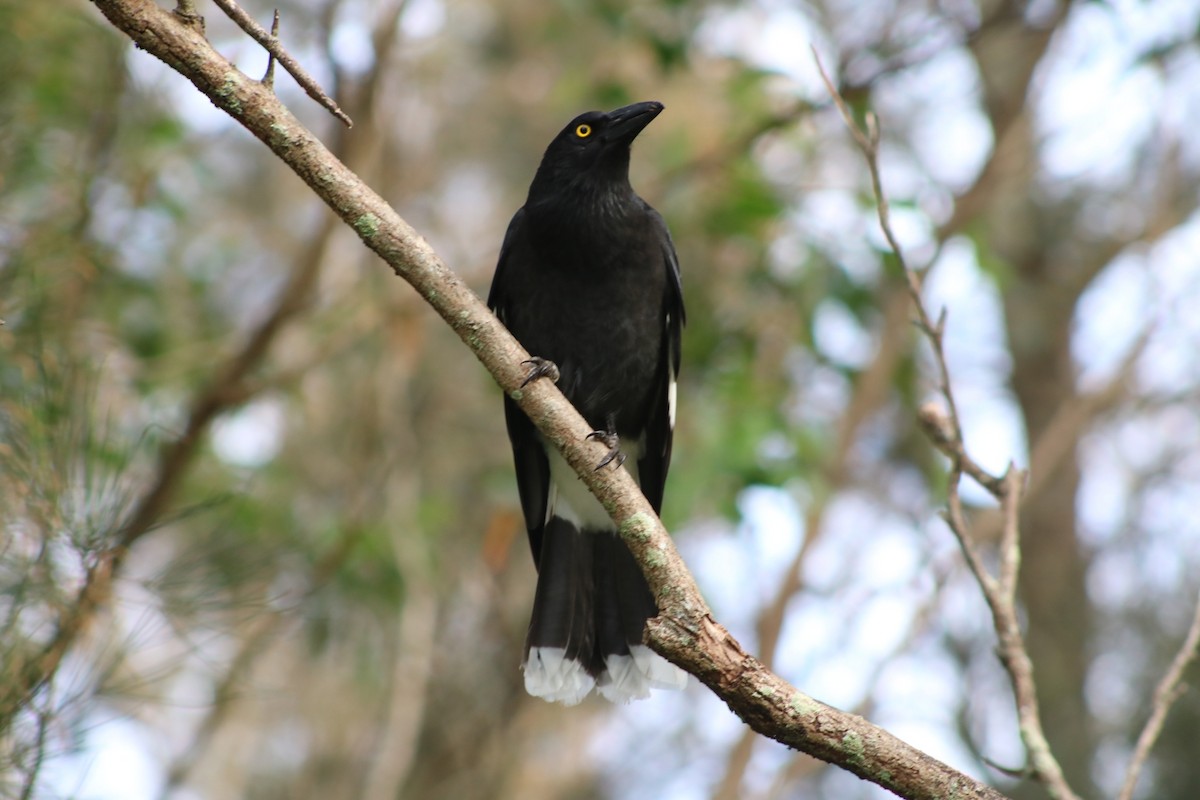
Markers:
point(624, 124)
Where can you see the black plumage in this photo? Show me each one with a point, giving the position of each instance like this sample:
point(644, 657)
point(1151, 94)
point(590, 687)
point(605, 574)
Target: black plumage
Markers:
point(588, 279)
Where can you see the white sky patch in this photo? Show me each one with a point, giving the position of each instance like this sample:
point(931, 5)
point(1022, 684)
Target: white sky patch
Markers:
point(423, 18)
point(722, 565)
point(839, 678)
point(821, 391)
point(740, 570)
point(881, 626)
point(771, 518)
point(975, 332)
point(827, 629)
point(928, 679)
point(1160, 563)
point(351, 45)
point(831, 220)
point(1172, 361)
point(769, 35)
point(839, 336)
point(952, 138)
point(117, 764)
point(1109, 317)
point(962, 610)
point(1140, 443)
point(1112, 687)
point(931, 682)
point(1111, 583)
point(893, 555)
point(1097, 57)
point(1099, 141)
point(712, 728)
point(995, 428)
point(465, 204)
point(1103, 495)
point(250, 436)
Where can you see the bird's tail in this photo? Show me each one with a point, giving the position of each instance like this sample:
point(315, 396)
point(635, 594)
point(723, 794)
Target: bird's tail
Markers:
point(591, 605)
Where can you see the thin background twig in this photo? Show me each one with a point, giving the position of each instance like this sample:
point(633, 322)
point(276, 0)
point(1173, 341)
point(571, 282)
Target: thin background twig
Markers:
point(1169, 690)
point(945, 430)
point(272, 45)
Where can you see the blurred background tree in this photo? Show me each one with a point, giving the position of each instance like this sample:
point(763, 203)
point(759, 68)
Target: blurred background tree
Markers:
point(332, 600)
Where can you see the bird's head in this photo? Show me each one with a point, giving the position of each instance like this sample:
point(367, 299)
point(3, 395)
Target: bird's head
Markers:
point(593, 149)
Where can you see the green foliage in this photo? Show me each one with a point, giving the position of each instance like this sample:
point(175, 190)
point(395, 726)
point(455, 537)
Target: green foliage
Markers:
point(748, 202)
point(989, 260)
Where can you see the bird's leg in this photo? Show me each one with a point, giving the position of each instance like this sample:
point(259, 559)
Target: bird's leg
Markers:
point(540, 368)
point(609, 438)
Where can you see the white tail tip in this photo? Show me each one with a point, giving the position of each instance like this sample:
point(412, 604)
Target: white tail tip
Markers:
point(550, 675)
point(632, 677)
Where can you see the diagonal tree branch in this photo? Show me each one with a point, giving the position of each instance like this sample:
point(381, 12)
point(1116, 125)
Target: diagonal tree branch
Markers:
point(685, 632)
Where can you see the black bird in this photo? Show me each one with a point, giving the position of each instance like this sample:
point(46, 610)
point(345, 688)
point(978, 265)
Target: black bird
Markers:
point(588, 281)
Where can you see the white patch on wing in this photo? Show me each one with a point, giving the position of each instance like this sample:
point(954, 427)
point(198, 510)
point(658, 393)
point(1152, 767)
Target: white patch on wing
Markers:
point(632, 677)
point(550, 675)
point(672, 389)
point(570, 498)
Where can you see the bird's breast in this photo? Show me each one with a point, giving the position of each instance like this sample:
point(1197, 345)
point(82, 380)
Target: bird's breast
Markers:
point(595, 308)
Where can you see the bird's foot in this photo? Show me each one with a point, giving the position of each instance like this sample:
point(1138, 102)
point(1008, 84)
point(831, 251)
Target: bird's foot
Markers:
point(540, 368)
point(614, 448)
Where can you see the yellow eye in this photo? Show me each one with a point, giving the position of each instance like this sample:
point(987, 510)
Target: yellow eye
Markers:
point(583, 131)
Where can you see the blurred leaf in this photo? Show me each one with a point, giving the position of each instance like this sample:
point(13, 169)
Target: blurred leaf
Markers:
point(748, 202)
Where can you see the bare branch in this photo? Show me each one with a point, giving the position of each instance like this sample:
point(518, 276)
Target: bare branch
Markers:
point(945, 431)
point(1010, 544)
point(185, 10)
point(1165, 695)
point(269, 77)
point(685, 631)
point(868, 142)
point(273, 46)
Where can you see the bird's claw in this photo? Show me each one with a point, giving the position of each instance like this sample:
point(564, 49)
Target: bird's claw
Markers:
point(540, 368)
point(614, 448)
